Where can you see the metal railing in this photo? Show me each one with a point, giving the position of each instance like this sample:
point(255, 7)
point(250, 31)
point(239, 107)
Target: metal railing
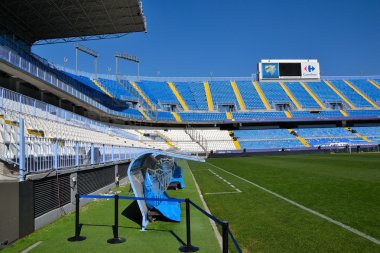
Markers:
point(39, 154)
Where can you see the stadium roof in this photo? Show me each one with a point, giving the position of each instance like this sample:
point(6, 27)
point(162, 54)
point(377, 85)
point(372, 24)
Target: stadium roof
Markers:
point(53, 21)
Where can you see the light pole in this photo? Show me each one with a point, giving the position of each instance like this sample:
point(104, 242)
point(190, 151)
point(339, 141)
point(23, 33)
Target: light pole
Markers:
point(65, 60)
point(109, 71)
point(126, 57)
point(89, 52)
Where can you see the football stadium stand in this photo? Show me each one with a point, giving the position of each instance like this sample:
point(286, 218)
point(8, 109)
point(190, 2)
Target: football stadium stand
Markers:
point(58, 119)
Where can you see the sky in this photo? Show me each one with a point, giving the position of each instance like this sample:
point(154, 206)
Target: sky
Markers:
point(229, 37)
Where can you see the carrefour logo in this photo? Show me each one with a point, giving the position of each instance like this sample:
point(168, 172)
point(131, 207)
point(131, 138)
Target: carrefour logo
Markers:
point(309, 68)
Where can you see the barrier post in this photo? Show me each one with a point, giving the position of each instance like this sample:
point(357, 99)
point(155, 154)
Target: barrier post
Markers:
point(77, 237)
point(116, 239)
point(188, 247)
point(225, 236)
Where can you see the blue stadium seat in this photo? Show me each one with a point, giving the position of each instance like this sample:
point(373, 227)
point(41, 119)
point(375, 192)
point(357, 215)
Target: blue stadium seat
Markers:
point(194, 94)
point(350, 94)
point(302, 96)
point(250, 96)
point(222, 93)
point(275, 93)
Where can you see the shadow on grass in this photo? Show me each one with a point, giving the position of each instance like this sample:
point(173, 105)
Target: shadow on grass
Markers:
point(132, 212)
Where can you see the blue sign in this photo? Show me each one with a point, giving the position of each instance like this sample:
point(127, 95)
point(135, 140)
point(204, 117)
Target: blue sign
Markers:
point(270, 70)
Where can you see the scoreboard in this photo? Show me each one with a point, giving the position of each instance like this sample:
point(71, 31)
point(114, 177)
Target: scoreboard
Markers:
point(288, 69)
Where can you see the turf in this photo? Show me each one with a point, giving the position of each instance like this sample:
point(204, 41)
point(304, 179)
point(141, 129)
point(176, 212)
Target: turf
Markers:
point(343, 187)
point(160, 236)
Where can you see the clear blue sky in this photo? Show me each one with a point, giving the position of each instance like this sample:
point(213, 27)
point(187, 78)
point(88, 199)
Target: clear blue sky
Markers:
point(228, 37)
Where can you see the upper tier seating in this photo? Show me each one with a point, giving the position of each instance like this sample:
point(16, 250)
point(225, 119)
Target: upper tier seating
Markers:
point(368, 89)
point(222, 93)
point(158, 92)
point(117, 89)
point(275, 93)
point(356, 99)
point(302, 96)
point(194, 95)
point(250, 96)
point(325, 93)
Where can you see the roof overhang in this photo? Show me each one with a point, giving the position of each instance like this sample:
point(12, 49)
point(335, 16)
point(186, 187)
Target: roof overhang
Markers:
point(53, 21)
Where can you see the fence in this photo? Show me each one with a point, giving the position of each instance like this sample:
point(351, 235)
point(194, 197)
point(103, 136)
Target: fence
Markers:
point(188, 247)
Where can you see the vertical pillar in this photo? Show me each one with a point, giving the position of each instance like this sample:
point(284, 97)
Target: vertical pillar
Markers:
point(77, 154)
point(22, 151)
point(55, 154)
point(92, 154)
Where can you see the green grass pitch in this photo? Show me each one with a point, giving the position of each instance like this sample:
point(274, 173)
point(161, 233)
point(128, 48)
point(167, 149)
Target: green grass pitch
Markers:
point(343, 187)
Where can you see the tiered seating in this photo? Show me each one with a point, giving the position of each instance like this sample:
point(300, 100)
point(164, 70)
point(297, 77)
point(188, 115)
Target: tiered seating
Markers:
point(165, 116)
point(364, 113)
point(181, 140)
point(372, 133)
point(116, 89)
point(158, 92)
point(216, 139)
point(222, 93)
point(201, 117)
point(250, 97)
point(85, 80)
point(368, 89)
point(327, 136)
point(302, 95)
point(259, 116)
point(350, 94)
point(320, 114)
point(267, 139)
point(193, 94)
point(324, 92)
point(275, 94)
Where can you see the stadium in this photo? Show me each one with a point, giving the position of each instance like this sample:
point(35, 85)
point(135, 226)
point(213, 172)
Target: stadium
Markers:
point(286, 160)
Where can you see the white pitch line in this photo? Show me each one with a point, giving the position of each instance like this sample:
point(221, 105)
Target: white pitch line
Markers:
point(216, 193)
point(351, 229)
point(231, 185)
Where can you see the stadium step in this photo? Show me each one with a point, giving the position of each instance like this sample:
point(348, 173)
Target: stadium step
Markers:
point(102, 88)
point(361, 93)
point(311, 93)
point(144, 114)
point(288, 114)
point(166, 139)
point(344, 113)
point(208, 96)
point(290, 95)
point(261, 94)
point(238, 96)
point(235, 141)
point(302, 140)
point(141, 93)
point(339, 94)
point(374, 84)
point(178, 96)
point(229, 116)
point(176, 116)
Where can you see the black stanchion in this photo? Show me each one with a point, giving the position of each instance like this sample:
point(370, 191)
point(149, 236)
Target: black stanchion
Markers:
point(116, 239)
point(225, 236)
point(78, 227)
point(188, 247)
